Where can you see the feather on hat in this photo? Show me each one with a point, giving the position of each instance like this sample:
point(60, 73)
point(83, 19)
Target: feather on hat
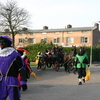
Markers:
point(23, 50)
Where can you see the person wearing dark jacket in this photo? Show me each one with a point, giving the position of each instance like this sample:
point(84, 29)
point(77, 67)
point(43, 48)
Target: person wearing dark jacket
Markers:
point(26, 60)
point(81, 62)
point(11, 65)
point(28, 69)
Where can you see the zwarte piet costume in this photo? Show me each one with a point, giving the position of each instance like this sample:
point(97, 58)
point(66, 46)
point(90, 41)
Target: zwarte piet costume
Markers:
point(81, 62)
point(23, 84)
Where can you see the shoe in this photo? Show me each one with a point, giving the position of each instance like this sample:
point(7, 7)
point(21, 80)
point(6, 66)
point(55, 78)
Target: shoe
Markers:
point(83, 80)
point(80, 83)
point(24, 87)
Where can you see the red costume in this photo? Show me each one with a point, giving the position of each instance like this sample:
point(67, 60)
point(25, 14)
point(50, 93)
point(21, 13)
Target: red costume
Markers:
point(29, 71)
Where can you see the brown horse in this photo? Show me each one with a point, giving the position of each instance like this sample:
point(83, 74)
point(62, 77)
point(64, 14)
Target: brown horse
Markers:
point(69, 59)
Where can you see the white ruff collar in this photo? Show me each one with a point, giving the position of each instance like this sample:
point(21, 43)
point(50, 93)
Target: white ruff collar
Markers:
point(6, 51)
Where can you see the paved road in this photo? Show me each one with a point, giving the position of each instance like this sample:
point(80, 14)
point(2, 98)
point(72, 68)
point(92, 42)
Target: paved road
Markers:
point(62, 86)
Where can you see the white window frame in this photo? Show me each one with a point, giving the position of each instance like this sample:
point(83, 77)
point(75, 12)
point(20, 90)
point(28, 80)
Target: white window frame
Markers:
point(21, 40)
point(70, 40)
point(56, 40)
point(84, 40)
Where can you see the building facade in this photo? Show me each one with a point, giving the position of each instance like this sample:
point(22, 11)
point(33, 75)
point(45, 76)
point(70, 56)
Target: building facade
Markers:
point(68, 36)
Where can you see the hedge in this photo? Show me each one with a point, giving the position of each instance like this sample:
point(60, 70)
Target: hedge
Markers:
point(42, 47)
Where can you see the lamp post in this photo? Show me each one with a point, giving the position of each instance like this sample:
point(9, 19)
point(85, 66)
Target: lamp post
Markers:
point(92, 43)
point(91, 48)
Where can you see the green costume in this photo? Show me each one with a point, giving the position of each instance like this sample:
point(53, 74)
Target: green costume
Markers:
point(81, 61)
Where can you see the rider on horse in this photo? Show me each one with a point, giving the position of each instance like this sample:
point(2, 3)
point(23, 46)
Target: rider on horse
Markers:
point(61, 54)
point(48, 57)
point(56, 50)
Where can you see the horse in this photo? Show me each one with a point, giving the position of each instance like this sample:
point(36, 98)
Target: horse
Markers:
point(69, 59)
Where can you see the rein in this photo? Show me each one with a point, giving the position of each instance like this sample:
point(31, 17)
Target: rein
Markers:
point(68, 60)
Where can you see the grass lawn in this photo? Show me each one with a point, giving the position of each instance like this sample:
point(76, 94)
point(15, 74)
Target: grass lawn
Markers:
point(33, 64)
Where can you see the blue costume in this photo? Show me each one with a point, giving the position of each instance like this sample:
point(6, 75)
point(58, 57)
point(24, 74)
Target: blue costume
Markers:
point(10, 65)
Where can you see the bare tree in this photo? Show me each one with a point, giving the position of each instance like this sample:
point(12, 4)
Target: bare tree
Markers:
point(13, 17)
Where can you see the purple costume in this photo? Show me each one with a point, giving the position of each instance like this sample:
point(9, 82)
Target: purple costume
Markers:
point(10, 65)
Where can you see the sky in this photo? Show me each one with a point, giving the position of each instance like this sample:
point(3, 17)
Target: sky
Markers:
point(59, 13)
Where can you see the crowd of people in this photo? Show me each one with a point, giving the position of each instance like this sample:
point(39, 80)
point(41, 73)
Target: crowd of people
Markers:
point(15, 67)
point(49, 56)
point(81, 60)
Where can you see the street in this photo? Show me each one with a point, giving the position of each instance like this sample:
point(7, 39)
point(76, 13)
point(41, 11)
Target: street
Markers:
point(62, 86)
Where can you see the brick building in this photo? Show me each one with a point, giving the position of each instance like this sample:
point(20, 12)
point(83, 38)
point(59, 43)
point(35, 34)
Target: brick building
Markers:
point(68, 36)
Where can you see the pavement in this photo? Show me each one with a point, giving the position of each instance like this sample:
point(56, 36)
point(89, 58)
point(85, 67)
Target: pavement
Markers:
point(62, 85)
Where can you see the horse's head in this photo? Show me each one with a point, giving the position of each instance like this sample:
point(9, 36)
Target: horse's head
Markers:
point(73, 50)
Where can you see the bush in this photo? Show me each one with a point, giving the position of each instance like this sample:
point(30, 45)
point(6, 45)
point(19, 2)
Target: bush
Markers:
point(42, 47)
point(34, 49)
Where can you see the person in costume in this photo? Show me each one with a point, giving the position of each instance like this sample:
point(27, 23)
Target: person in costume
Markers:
point(81, 62)
point(10, 65)
point(23, 84)
point(23, 52)
point(47, 57)
point(55, 50)
point(39, 64)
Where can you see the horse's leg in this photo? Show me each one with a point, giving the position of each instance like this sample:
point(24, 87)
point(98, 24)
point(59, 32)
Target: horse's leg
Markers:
point(46, 59)
point(50, 62)
point(75, 70)
point(68, 67)
point(65, 66)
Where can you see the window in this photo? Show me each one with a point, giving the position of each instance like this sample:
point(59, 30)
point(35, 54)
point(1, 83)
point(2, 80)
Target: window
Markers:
point(84, 31)
point(70, 40)
point(21, 34)
point(32, 33)
point(44, 33)
point(56, 40)
point(69, 32)
point(21, 40)
point(99, 40)
point(56, 32)
point(31, 40)
point(44, 40)
point(84, 40)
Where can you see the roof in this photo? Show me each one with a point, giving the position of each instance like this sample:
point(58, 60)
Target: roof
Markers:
point(61, 30)
point(56, 30)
